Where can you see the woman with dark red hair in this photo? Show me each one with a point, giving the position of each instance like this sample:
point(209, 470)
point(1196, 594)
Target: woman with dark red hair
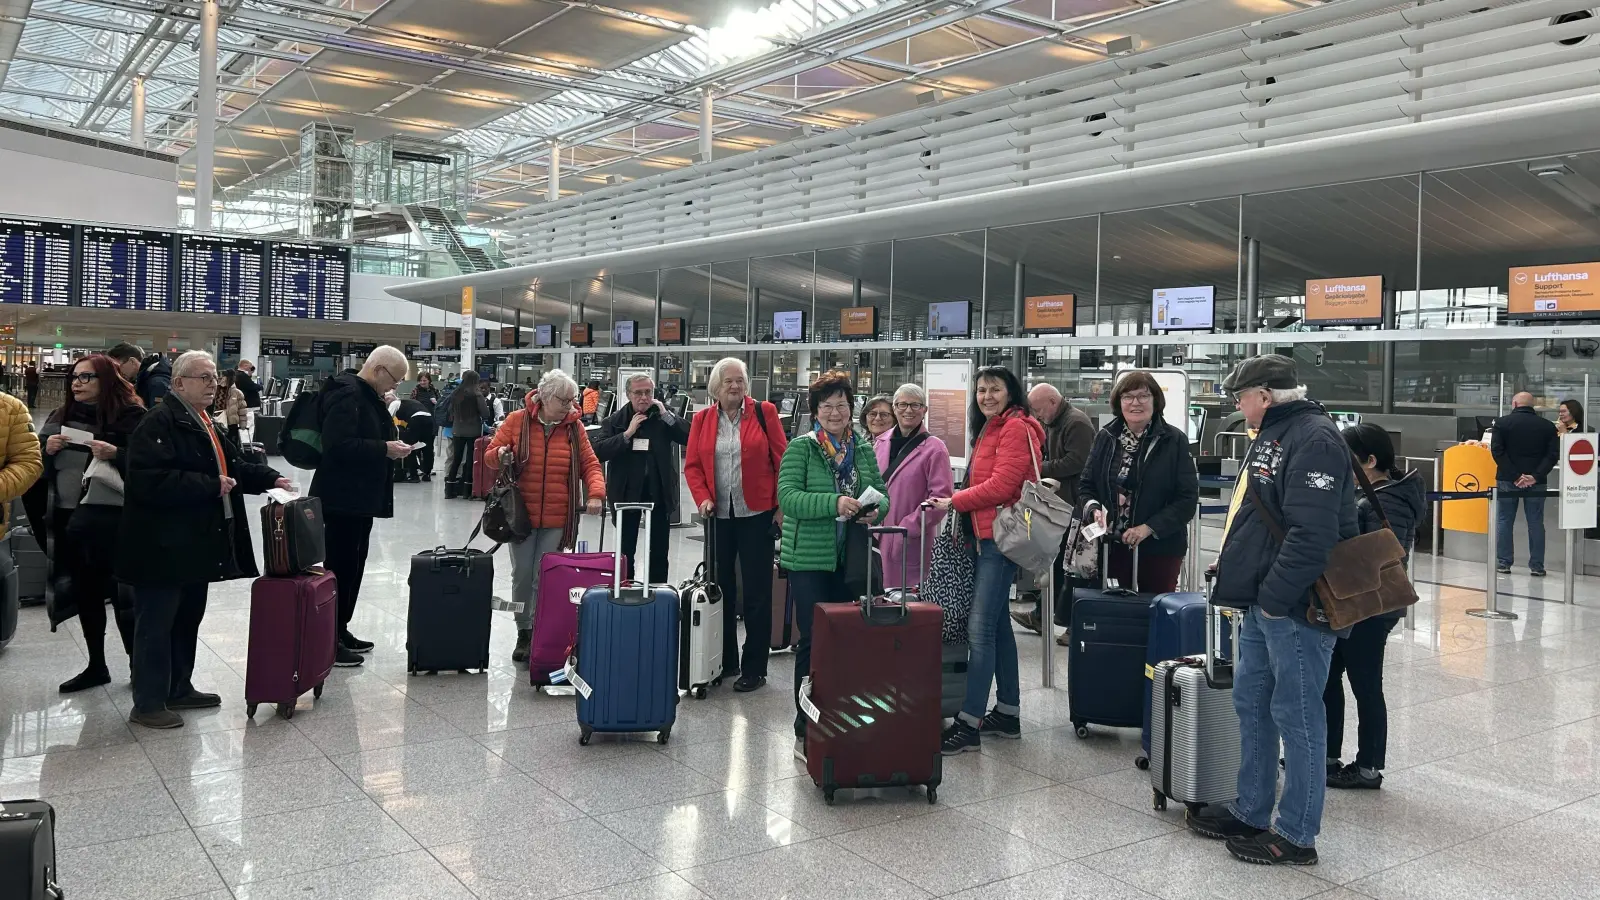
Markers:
point(85, 475)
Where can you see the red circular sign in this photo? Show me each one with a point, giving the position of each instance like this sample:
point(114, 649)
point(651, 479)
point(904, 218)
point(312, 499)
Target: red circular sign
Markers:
point(1580, 456)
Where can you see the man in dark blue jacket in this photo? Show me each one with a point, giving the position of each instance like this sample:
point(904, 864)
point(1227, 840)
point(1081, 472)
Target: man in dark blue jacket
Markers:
point(1525, 447)
point(1297, 500)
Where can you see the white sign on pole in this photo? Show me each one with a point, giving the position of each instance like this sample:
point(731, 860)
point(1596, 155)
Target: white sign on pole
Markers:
point(949, 386)
point(1580, 481)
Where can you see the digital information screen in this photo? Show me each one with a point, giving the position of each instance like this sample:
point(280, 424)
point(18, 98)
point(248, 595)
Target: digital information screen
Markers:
point(950, 319)
point(1183, 308)
point(544, 335)
point(789, 325)
point(126, 268)
point(220, 275)
point(35, 262)
point(308, 281)
point(277, 346)
point(325, 348)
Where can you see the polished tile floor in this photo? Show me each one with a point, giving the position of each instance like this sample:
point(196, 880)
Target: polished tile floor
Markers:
point(455, 787)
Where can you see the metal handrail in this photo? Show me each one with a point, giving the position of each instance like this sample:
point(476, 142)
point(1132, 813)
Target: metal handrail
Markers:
point(1349, 64)
point(1216, 449)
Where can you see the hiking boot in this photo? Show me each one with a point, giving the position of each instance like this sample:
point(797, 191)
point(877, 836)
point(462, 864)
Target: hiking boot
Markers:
point(1271, 849)
point(999, 724)
point(1219, 823)
point(519, 653)
point(959, 738)
point(1351, 777)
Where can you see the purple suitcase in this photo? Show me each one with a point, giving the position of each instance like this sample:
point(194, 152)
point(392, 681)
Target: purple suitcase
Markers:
point(555, 619)
point(292, 625)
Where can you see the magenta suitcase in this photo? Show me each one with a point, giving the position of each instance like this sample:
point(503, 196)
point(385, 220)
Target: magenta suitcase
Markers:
point(292, 626)
point(555, 619)
point(482, 476)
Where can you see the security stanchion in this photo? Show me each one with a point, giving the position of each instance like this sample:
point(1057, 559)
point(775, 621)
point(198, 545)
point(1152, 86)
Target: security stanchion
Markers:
point(1047, 629)
point(1569, 578)
point(1491, 608)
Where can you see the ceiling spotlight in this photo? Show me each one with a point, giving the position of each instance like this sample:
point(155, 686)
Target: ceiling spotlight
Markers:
point(1548, 169)
point(1122, 45)
point(927, 98)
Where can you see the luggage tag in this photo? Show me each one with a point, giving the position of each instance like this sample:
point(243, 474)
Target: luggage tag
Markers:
point(504, 605)
point(806, 706)
point(569, 674)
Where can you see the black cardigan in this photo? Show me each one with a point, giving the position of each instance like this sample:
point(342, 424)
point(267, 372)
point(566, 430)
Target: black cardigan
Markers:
point(1168, 494)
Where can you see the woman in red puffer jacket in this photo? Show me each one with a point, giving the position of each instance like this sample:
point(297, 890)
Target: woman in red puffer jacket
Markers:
point(1008, 444)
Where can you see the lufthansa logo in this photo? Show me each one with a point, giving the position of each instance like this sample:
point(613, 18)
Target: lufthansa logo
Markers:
point(1467, 482)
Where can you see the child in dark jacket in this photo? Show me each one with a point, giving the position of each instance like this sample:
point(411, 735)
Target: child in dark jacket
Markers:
point(1401, 503)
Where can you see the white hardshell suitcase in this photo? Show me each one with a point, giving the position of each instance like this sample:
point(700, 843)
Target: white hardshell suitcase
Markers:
point(1194, 729)
point(700, 626)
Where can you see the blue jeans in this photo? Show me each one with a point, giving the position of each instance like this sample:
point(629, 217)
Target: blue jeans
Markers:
point(1279, 677)
point(1533, 509)
point(994, 645)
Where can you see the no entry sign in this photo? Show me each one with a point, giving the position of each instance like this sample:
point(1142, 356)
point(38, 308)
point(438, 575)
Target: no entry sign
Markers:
point(1580, 483)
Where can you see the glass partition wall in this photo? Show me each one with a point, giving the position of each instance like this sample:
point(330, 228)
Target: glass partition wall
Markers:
point(1319, 274)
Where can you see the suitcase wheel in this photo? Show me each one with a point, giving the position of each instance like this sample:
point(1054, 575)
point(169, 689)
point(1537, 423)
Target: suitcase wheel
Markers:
point(286, 710)
point(700, 692)
point(250, 710)
point(1141, 762)
point(933, 794)
point(662, 737)
point(316, 691)
point(1080, 729)
point(1159, 801)
point(827, 796)
point(583, 739)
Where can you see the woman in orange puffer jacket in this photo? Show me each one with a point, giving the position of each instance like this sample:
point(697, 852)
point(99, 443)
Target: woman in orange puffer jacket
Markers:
point(557, 464)
point(1008, 444)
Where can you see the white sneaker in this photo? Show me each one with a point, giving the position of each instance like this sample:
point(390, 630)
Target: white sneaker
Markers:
point(800, 749)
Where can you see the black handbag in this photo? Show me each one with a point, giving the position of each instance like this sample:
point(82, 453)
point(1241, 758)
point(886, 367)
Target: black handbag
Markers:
point(293, 536)
point(505, 517)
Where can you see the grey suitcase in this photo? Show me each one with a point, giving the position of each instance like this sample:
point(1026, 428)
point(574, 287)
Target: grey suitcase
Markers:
point(1194, 730)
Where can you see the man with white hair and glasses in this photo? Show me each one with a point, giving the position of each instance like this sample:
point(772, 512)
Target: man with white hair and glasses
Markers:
point(183, 527)
point(636, 444)
point(1295, 501)
point(355, 480)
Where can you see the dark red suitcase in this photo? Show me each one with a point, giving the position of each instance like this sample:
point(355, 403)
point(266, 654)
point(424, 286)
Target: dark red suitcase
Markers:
point(876, 689)
point(482, 475)
point(292, 626)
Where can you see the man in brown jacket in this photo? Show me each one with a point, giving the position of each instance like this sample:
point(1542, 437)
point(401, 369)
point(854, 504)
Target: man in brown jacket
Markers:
point(1068, 435)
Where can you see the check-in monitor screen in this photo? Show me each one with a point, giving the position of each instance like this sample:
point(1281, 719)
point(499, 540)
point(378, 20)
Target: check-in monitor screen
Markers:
point(950, 319)
point(1184, 308)
point(789, 325)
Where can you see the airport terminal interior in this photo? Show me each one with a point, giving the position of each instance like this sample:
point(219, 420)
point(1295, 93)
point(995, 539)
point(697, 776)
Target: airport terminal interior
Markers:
point(1402, 199)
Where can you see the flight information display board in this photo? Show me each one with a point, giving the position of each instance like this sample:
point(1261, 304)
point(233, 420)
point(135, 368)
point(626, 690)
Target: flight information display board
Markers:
point(308, 281)
point(35, 262)
point(220, 274)
point(126, 268)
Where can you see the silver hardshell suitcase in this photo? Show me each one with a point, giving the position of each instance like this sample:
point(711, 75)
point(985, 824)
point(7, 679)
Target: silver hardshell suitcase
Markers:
point(1194, 730)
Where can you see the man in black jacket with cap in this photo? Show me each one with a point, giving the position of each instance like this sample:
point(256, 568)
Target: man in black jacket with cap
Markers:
point(1295, 501)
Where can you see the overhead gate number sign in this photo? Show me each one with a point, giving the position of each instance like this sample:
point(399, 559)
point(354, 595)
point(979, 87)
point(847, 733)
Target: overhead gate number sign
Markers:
point(1580, 482)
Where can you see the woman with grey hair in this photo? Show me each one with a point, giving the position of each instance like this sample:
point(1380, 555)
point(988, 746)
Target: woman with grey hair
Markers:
point(877, 418)
point(736, 446)
point(556, 466)
point(915, 466)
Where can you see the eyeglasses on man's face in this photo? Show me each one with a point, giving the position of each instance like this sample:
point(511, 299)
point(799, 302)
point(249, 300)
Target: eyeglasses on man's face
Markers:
point(207, 378)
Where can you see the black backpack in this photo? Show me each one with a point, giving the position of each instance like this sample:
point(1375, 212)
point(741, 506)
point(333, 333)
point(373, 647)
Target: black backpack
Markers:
point(300, 441)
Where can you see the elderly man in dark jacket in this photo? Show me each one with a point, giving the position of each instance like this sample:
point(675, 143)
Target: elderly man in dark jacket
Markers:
point(355, 480)
point(1068, 437)
point(1297, 474)
point(183, 527)
point(635, 443)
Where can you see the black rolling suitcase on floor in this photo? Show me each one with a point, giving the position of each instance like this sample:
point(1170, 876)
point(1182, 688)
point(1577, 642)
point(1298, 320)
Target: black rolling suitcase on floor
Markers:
point(1106, 656)
point(28, 851)
point(447, 622)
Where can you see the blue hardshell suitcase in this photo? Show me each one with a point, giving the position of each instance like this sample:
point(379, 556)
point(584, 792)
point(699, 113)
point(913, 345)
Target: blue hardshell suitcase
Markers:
point(627, 653)
point(1177, 628)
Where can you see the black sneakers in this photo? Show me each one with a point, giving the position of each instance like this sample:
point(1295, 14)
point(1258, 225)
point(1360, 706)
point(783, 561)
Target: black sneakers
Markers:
point(1537, 573)
point(1219, 823)
point(346, 658)
point(748, 683)
point(959, 738)
point(1271, 849)
point(355, 643)
point(998, 724)
point(1350, 777)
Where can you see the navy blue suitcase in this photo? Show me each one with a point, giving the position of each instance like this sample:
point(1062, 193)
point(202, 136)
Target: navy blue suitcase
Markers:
point(1105, 656)
point(627, 665)
point(1177, 628)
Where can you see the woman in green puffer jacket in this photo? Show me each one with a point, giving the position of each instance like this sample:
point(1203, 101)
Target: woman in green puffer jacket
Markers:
point(821, 476)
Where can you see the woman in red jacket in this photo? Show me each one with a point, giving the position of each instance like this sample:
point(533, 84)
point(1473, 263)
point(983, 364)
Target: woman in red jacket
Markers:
point(735, 447)
point(1007, 446)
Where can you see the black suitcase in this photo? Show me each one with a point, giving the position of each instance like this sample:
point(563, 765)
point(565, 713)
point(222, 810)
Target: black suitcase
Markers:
point(267, 429)
point(10, 603)
point(447, 622)
point(253, 453)
point(33, 567)
point(28, 851)
point(1106, 655)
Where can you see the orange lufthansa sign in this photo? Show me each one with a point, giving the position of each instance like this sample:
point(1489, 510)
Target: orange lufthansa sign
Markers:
point(1345, 301)
point(858, 321)
point(1554, 292)
point(578, 334)
point(671, 331)
point(1053, 312)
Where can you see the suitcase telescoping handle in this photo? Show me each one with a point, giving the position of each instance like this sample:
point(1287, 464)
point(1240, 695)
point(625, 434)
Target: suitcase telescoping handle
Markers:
point(866, 599)
point(1219, 672)
point(1109, 584)
point(638, 590)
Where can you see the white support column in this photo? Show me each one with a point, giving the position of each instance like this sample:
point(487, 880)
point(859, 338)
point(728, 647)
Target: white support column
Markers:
point(250, 338)
point(136, 129)
point(706, 109)
point(205, 123)
point(552, 189)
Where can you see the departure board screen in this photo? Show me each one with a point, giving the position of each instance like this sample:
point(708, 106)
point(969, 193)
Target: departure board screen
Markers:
point(126, 268)
point(35, 262)
point(308, 281)
point(220, 274)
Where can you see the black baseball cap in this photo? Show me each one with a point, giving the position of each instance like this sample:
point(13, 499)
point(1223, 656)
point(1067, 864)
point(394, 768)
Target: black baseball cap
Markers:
point(1269, 370)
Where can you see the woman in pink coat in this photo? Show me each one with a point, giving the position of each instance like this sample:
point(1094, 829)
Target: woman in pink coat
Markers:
point(916, 466)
